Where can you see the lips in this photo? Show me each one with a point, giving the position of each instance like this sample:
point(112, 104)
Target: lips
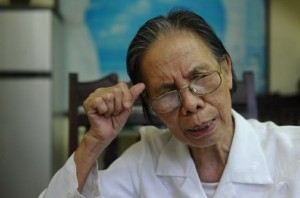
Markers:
point(203, 129)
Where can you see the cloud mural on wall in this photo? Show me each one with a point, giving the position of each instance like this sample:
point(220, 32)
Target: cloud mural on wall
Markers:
point(113, 25)
point(240, 24)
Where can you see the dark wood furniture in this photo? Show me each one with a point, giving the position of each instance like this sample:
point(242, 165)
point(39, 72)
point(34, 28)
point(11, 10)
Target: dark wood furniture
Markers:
point(78, 92)
point(281, 109)
point(244, 99)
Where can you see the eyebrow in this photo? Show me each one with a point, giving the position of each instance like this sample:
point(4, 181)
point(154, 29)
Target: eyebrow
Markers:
point(166, 87)
point(198, 70)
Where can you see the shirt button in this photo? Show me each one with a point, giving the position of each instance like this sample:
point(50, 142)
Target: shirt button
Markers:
point(282, 187)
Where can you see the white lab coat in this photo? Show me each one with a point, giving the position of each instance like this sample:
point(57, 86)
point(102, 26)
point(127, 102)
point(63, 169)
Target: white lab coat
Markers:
point(264, 161)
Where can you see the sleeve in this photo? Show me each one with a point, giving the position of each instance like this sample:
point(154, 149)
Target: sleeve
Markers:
point(134, 170)
point(122, 178)
point(64, 183)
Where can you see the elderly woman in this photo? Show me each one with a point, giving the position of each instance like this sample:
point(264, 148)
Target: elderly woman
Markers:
point(184, 75)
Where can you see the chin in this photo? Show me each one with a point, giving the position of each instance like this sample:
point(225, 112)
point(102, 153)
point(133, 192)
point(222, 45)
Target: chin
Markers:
point(206, 142)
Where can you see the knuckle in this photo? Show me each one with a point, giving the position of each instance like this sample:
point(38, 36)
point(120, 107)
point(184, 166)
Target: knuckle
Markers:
point(84, 104)
point(122, 85)
point(109, 96)
point(116, 90)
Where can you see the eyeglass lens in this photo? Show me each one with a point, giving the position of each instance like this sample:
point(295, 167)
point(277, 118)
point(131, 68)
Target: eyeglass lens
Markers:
point(202, 85)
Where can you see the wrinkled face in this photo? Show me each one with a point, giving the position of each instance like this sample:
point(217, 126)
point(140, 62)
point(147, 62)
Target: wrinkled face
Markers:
point(170, 64)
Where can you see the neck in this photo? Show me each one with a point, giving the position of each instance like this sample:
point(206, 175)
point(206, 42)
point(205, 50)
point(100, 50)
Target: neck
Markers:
point(210, 161)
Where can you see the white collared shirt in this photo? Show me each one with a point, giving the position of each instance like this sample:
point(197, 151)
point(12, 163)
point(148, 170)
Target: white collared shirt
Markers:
point(264, 161)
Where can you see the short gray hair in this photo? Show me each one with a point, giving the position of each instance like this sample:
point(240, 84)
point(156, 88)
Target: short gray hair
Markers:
point(184, 20)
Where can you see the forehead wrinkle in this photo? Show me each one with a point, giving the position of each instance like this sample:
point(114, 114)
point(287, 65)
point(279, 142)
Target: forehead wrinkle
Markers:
point(170, 79)
point(174, 62)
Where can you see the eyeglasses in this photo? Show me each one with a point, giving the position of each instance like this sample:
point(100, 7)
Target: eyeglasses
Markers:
point(203, 84)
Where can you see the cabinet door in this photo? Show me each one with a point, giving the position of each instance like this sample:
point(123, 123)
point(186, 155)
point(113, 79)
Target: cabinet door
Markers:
point(25, 136)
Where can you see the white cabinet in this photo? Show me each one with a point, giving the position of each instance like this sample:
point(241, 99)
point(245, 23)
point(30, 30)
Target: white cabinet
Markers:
point(28, 87)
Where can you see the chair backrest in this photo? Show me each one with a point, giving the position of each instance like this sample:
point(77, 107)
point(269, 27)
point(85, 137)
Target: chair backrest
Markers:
point(244, 99)
point(78, 92)
point(281, 109)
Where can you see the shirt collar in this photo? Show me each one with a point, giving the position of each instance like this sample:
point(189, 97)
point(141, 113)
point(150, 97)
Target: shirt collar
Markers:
point(246, 162)
point(174, 159)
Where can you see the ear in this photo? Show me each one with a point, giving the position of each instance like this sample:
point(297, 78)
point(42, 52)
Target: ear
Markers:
point(227, 66)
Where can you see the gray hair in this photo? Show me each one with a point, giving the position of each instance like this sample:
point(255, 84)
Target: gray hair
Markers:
point(184, 20)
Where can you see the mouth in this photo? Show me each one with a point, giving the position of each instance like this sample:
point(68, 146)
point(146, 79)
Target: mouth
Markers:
point(202, 130)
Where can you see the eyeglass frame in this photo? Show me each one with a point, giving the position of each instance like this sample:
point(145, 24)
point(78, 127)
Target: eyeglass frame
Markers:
point(191, 89)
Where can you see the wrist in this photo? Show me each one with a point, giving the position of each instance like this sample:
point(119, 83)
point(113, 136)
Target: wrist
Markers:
point(91, 146)
point(85, 157)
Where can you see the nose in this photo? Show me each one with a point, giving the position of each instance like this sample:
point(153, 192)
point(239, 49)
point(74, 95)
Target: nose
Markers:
point(191, 103)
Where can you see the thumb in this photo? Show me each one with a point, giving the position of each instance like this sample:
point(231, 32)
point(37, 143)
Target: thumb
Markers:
point(136, 90)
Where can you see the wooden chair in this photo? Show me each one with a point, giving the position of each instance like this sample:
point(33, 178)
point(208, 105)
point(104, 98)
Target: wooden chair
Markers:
point(244, 99)
point(281, 109)
point(78, 92)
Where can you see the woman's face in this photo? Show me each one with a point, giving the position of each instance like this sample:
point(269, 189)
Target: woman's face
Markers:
point(170, 64)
